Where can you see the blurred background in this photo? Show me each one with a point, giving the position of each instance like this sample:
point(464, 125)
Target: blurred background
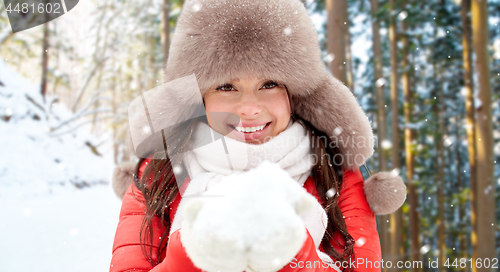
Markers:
point(426, 72)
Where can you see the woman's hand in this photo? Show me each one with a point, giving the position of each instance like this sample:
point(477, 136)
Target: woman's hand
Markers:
point(247, 222)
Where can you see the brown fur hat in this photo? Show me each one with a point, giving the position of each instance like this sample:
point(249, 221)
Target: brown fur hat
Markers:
point(220, 40)
point(216, 41)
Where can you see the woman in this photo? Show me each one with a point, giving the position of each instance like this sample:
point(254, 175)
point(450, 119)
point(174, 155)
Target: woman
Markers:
point(258, 68)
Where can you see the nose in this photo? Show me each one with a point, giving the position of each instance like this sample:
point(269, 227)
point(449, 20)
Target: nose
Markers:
point(249, 105)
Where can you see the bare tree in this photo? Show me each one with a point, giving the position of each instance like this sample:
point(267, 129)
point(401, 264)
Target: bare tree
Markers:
point(348, 55)
point(336, 27)
point(409, 135)
point(381, 120)
point(166, 30)
point(45, 59)
point(396, 217)
point(470, 116)
point(439, 110)
point(485, 193)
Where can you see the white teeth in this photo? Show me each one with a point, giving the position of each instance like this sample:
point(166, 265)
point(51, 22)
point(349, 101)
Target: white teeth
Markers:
point(249, 129)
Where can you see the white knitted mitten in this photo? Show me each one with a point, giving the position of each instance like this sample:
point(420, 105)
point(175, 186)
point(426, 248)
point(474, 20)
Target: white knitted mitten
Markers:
point(248, 222)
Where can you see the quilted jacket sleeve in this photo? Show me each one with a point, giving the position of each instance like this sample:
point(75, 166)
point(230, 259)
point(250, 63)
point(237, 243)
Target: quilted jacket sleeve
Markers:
point(361, 225)
point(127, 251)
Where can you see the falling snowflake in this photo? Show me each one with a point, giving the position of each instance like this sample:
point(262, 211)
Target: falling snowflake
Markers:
point(337, 130)
point(380, 82)
point(196, 7)
point(478, 103)
point(402, 15)
point(330, 58)
point(424, 249)
point(487, 190)
point(449, 141)
point(395, 172)
point(330, 192)
point(177, 170)
point(287, 31)
point(463, 91)
point(386, 144)
point(360, 242)
point(496, 47)
point(146, 130)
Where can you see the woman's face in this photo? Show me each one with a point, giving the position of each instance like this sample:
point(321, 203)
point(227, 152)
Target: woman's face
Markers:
point(248, 109)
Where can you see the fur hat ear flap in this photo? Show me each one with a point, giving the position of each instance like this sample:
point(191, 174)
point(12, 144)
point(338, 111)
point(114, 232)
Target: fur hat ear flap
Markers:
point(333, 109)
point(385, 192)
point(123, 175)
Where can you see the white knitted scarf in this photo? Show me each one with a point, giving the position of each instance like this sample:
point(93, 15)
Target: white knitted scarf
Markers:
point(206, 165)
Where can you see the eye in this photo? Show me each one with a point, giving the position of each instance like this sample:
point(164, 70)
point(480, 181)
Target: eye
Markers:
point(225, 88)
point(270, 85)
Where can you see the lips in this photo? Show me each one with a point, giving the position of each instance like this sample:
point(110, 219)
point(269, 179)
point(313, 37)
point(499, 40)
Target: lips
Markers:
point(254, 132)
point(249, 128)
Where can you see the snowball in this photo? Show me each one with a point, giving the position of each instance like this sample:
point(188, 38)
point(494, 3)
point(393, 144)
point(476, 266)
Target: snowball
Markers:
point(251, 220)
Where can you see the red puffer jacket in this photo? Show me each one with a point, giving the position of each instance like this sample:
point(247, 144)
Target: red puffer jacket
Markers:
point(360, 221)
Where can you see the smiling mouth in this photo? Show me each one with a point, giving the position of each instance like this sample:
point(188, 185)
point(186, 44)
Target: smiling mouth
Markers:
point(250, 129)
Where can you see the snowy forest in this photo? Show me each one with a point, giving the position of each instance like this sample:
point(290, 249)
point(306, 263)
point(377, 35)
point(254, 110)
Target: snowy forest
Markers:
point(427, 73)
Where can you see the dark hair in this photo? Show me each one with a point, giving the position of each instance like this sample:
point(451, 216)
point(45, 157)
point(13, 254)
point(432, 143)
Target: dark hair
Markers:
point(159, 188)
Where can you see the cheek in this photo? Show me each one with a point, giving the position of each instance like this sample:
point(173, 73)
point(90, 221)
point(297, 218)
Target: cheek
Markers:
point(219, 111)
point(280, 108)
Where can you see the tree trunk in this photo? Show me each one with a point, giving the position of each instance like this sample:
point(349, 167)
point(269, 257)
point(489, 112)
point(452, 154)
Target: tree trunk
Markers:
point(151, 61)
point(102, 54)
point(470, 119)
point(441, 235)
point(462, 230)
point(381, 122)
point(114, 125)
point(485, 186)
point(166, 32)
point(45, 60)
point(348, 55)
point(337, 17)
point(409, 152)
point(98, 60)
point(396, 247)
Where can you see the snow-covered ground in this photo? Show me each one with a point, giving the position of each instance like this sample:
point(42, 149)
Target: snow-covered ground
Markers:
point(68, 229)
point(57, 209)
